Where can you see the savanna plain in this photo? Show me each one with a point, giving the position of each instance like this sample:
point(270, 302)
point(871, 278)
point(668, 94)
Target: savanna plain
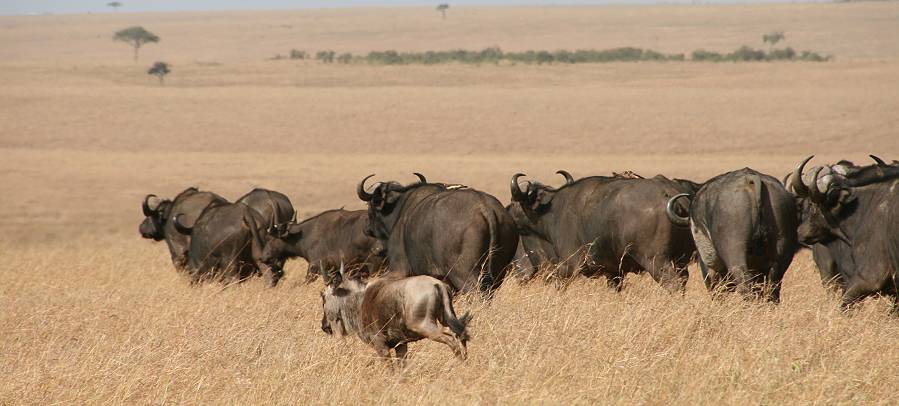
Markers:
point(91, 313)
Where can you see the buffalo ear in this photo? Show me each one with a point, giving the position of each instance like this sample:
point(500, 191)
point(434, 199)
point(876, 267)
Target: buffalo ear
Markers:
point(294, 230)
point(842, 199)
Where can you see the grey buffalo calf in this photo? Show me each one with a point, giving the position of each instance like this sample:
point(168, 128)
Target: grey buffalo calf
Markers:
point(388, 313)
point(325, 241)
point(158, 214)
point(744, 226)
point(860, 210)
point(604, 226)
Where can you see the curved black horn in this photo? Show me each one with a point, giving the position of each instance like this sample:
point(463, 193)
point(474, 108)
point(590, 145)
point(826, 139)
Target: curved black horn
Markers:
point(568, 178)
point(517, 194)
point(421, 178)
point(877, 159)
point(796, 182)
point(146, 206)
point(674, 217)
point(816, 193)
point(360, 190)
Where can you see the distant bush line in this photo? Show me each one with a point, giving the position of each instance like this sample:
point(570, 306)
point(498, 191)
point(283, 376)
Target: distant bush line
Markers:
point(495, 55)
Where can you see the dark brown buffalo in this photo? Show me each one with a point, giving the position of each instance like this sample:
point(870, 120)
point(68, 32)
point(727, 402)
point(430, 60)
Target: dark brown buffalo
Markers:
point(861, 210)
point(275, 207)
point(744, 226)
point(226, 244)
point(459, 235)
point(606, 226)
point(158, 215)
point(388, 313)
point(834, 257)
point(325, 241)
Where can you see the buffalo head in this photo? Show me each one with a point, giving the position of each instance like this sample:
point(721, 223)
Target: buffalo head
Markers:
point(824, 198)
point(155, 210)
point(537, 197)
point(381, 202)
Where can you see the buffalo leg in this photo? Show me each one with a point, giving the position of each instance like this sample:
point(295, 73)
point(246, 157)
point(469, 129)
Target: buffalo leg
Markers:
point(271, 274)
point(855, 292)
point(666, 274)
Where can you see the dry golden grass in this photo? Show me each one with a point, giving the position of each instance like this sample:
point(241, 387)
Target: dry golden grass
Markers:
point(93, 314)
point(115, 325)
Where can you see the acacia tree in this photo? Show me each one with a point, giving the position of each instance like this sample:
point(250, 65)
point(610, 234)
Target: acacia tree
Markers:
point(136, 37)
point(159, 69)
point(115, 5)
point(773, 38)
point(442, 9)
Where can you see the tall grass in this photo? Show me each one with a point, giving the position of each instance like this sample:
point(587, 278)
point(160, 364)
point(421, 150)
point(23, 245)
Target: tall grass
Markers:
point(112, 323)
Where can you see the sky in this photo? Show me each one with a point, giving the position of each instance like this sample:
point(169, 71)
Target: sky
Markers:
point(20, 7)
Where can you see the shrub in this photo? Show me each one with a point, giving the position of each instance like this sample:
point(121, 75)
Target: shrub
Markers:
point(701, 55)
point(325, 56)
point(814, 57)
point(746, 54)
point(495, 55)
point(297, 54)
point(345, 58)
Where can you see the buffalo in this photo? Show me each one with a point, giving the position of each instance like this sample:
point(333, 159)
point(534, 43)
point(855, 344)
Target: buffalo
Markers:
point(158, 215)
point(387, 313)
point(744, 226)
point(459, 235)
point(834, 257)
point(325, 241)
point(227, 243)
point(605, 226)
point(274, 207)
point(861, 210)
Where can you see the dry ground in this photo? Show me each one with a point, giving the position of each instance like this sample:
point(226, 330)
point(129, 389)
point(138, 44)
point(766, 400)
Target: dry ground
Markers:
point(93, 314)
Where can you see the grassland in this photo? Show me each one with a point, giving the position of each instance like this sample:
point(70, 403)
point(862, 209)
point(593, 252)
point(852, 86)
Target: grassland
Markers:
point(93, 314)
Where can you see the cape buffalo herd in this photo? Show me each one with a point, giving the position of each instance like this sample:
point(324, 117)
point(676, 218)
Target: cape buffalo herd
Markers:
point(391, 271)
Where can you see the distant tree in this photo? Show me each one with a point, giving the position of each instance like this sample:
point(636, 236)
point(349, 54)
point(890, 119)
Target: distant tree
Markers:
point(115, 5)
point(345, 58)
point(325, 56)
point(773, 38)
point(159, 69)
point(136, 37)
point(297, 54)
point(442, 9)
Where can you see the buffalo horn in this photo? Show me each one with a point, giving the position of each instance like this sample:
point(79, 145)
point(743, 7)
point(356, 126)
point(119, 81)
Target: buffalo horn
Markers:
point(421, 178)
point(568, 178)
point(798, 186)
point(146, 206)
point(674, 217)
point(517, 194)
point(360, 190)
point(816, 193)
point(877, 159)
